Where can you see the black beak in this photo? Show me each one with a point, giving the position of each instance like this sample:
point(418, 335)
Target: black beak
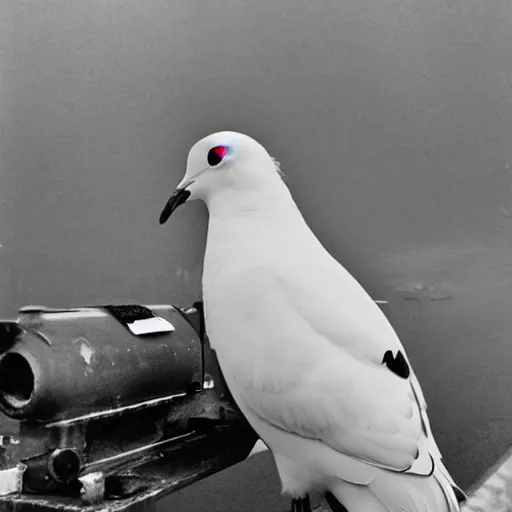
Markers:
point(178, 198)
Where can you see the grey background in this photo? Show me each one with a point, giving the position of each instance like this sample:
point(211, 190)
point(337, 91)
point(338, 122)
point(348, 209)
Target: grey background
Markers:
point(391, 118)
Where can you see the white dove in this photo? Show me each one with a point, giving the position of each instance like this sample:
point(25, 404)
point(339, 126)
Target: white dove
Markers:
point(310, 359)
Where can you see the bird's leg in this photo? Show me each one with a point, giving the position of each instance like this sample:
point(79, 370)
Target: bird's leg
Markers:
point(301, 504)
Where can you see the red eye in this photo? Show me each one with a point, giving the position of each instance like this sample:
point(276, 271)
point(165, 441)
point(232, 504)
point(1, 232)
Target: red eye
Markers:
point(216, 154)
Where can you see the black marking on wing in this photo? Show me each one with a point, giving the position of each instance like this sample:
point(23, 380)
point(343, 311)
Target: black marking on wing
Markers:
point(398, 365)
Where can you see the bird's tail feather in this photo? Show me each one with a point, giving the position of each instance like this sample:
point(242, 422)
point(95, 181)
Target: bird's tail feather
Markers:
point(455, 496)
point(391, 492)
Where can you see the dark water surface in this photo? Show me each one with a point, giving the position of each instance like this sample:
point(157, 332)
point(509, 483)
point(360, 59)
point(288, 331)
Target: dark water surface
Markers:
point(391, 118)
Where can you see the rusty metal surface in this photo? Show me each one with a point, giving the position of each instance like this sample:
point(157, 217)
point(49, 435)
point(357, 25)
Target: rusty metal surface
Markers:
point(92, 396)
point(130, 459)
point(199, 457)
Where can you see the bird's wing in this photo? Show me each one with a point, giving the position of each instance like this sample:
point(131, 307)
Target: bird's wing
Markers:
point(302, 382)
point(333, 302)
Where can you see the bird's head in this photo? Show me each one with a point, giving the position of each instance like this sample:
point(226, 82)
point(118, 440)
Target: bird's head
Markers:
point(223, 161)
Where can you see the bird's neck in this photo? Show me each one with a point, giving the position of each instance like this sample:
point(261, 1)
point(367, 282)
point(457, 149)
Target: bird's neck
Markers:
point(262, 201)
point(254, 213)
point(249, 228)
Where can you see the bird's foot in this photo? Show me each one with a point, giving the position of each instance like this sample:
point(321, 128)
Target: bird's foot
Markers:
point(301, 504)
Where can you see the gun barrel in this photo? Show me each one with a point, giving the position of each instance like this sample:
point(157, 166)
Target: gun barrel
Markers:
point(16, 381)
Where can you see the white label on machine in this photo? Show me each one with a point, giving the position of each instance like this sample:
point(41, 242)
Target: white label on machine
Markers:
point(152, 325)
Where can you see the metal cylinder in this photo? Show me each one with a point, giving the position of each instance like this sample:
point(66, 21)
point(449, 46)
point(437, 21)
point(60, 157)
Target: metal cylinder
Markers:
point(64, 364)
